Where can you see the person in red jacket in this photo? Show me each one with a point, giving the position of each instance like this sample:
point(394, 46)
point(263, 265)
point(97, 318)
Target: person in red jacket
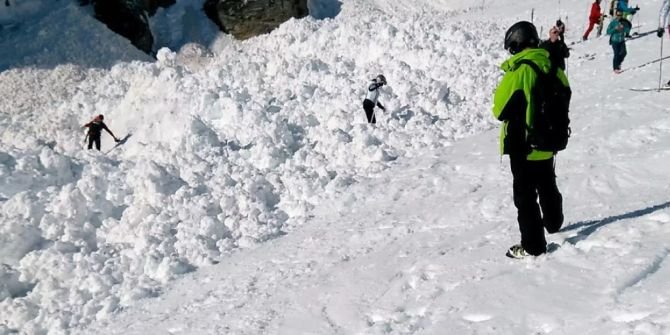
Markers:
point(594, 18)
point(95, 128)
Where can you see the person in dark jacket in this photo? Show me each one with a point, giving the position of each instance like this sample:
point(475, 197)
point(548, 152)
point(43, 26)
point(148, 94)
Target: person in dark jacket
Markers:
point(95, 128)
point(371, 98)
point(558, 50)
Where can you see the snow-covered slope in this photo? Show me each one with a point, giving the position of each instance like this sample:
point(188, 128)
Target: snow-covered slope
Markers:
point(45, 34)
point(251, 178)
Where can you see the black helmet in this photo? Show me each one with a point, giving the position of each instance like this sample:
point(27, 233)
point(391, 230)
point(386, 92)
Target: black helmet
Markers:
point(521, 35)
point(380, 78)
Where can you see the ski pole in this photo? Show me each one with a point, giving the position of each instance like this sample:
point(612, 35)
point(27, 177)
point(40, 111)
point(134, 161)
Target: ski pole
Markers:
point(532, 15)
point(637, 28)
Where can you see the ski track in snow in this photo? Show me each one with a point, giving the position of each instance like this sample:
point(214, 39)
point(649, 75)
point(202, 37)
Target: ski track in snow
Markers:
point(251, 179)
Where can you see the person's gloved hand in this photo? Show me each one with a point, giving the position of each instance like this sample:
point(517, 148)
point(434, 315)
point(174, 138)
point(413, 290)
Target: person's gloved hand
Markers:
point(660, 32)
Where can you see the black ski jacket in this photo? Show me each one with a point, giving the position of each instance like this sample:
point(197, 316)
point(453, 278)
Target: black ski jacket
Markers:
point(558, 52)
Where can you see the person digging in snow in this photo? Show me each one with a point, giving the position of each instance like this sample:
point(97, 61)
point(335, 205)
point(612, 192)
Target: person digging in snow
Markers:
point(533, 170)
point(371, 98)
point(94, 132)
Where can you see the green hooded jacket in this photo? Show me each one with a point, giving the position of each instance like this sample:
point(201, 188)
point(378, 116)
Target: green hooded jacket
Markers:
point(514, 105)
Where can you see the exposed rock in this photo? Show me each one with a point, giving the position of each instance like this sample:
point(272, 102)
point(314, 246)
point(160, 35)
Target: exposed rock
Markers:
point(152, 5)
point(127, 18)
point(247, 18)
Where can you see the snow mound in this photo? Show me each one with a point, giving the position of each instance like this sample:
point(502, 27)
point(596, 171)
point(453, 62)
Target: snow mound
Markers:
point(227, 149)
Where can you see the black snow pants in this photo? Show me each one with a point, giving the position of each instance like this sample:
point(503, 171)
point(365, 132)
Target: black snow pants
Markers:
point(94, 139)
point(533, 179)
point(369, 108)
point(619, 54)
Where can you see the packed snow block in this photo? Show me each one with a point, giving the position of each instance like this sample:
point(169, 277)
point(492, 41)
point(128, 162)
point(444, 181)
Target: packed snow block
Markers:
point(10, 284)
point(245, 19)
point(19, 232)
point(128, 19)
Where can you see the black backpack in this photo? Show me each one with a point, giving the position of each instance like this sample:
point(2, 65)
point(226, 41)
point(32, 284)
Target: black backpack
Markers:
point(551, 124)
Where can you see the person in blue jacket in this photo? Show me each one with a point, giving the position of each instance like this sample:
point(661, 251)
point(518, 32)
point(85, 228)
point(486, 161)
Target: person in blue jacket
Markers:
point(617, 29)
point(622, 5)
point(627, 11)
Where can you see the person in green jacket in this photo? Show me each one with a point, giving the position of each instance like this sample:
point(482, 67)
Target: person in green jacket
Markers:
point(532, 170)
point(618, 29)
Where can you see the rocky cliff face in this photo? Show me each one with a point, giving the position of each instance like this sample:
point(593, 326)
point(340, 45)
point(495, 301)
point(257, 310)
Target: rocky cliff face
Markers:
point(127, 18)
point(247, 18)
point(240, 18)
point(152, 5)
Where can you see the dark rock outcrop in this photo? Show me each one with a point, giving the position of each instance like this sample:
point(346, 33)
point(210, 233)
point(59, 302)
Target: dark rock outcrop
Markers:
point(153, 5)
point(127, 18)
point(247, 18)
point(240, 18)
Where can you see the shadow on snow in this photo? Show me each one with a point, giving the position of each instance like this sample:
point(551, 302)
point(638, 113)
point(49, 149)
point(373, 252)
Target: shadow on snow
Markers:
point(587, 228)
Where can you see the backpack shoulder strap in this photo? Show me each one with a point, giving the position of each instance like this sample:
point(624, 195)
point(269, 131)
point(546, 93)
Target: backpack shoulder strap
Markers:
point(532, 65)
point(552, 71)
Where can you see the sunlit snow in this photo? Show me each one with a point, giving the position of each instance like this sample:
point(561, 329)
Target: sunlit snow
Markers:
point(251, 197)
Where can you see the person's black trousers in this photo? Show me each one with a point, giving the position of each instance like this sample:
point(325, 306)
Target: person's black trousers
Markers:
point(369, 108)
point(94, 139)
point(619, 54)
point(533, 179)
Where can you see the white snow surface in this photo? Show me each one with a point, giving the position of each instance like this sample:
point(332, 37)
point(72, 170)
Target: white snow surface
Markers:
point(251, 197)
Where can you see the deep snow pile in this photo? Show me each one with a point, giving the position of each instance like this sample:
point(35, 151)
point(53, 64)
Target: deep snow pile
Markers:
point(228, 148)
point(418, 248)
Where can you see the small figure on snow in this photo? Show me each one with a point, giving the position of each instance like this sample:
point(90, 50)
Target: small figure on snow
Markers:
point(594, 18)
point(371, 98)
point(94, 132)
point(617, 29)
point(558, 50)
point(532, 169)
